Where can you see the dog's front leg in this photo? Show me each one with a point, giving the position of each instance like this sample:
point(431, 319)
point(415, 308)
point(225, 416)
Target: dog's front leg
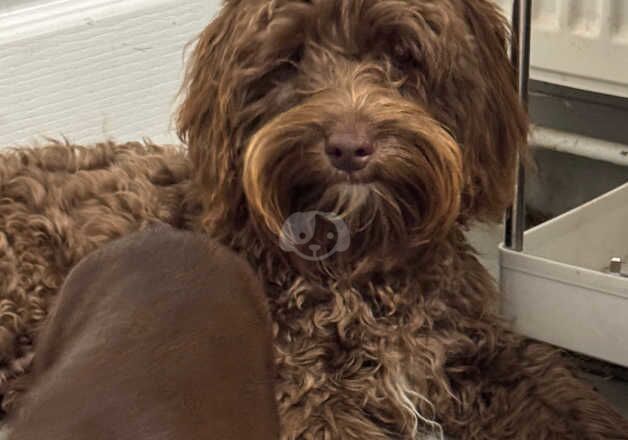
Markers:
point(526, 390)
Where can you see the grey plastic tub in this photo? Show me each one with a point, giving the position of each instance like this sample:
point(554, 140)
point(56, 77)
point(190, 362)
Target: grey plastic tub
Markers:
point(559, 290)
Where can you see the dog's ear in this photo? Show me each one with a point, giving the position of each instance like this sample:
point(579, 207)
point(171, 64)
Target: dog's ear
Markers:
point(197, 119)
point(493, 131)
point(228, 82)
point(210, 115)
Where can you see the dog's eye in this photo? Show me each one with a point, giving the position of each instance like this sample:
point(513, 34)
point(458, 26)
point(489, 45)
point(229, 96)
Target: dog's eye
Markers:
point(273, 80)
point(400, 52)
point(295, 57)
point(402, 57)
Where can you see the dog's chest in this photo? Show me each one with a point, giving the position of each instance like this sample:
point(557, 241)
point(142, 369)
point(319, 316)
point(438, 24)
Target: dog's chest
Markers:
point(342, 355)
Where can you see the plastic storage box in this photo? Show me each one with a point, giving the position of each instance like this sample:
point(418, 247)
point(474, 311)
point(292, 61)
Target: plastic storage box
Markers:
point(559, 289)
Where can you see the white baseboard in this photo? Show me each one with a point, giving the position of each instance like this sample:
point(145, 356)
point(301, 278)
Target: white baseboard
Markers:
point(94, 69)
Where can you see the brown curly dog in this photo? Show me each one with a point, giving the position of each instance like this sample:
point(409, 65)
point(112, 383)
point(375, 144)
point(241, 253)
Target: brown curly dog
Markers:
point(162, 334)
point(342, 147)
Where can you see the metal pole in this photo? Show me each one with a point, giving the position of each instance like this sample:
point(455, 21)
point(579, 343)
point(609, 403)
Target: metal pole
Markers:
point(520, 57)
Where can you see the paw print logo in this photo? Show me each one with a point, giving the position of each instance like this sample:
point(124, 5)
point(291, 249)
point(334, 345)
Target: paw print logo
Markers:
point(314, 235)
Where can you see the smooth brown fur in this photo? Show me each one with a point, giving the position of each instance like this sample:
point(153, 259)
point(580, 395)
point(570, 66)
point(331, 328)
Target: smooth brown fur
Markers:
point(400, 335)
point(160, 335)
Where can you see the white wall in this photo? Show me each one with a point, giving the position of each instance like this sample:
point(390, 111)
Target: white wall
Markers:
point(90, 69)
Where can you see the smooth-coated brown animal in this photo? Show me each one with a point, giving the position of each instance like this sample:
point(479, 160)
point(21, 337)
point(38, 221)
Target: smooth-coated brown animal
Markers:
point(343, 147)
point(160, 335)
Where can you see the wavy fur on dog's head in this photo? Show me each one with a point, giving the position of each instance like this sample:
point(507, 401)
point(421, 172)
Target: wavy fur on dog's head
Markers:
point(429, 81)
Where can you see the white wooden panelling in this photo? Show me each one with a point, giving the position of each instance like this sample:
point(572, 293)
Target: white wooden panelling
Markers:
point(94, 69)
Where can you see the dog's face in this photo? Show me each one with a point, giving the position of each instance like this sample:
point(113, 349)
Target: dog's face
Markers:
point(400, 117)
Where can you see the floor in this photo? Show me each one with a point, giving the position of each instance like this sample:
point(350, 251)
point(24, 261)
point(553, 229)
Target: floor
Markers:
point(486, 240)
point(615, 391)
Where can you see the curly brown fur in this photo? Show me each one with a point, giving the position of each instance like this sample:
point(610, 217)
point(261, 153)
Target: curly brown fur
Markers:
point(399, 335)
point(59, 202)
point(183, 327)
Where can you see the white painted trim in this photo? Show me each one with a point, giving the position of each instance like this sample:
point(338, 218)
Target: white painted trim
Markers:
point(54, 15)
point(575, 81)
point(13, 5)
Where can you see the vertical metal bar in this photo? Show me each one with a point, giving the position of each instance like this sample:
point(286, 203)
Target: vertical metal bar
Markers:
point(520, 57)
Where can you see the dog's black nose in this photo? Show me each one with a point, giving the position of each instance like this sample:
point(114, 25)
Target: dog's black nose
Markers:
point(349, 152)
